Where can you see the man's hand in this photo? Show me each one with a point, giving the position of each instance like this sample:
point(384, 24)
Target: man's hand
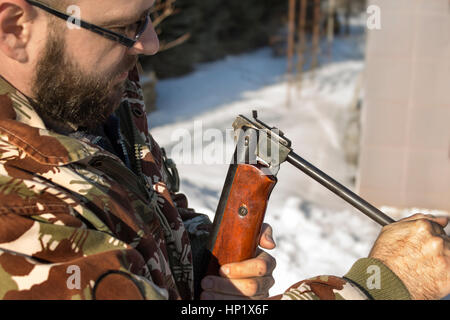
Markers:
point(417, 250)
point(249, 279)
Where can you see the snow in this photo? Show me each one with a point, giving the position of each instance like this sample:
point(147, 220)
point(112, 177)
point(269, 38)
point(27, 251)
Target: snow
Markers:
point(316, 232)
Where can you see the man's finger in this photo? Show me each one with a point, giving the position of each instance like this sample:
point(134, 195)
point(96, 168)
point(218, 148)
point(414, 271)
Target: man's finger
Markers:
point(446, 245)
point(443, 221)
point(428, 226)
point(238, 287)
point(438, 229)
point(266, 238)
point(262, 265)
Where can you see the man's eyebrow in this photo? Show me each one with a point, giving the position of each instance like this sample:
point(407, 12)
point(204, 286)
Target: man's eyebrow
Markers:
point(123, 19)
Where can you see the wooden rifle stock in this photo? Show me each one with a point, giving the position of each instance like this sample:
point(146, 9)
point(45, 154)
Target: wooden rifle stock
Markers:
point(239, 217)
point(238, 221)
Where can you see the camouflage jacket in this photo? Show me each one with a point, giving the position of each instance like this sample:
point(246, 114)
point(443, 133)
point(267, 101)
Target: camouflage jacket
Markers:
point(368, 279)
point(77, 223)
point(81, 219)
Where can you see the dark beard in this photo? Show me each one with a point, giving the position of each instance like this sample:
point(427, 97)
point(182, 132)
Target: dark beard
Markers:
point(67, 97)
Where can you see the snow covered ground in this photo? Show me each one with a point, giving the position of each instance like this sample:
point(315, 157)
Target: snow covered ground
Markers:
point(315, 231)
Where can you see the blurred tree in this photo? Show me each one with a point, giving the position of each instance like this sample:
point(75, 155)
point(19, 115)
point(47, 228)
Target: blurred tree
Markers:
point(216, 28)
point(206, 30)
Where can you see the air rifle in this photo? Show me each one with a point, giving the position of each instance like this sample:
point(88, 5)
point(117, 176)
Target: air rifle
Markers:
point(250, 180)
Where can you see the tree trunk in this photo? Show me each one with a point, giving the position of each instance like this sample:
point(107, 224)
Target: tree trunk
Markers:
point(330, 26)
point(290, 49)
point(348, 13)
point(316, 37)
point(302, 41)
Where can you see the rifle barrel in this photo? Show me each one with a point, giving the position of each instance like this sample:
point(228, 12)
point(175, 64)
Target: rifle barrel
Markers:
point(337, 188)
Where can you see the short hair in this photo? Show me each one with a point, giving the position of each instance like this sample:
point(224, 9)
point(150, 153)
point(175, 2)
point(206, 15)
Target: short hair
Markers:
point(59, 5)
point(56, 4)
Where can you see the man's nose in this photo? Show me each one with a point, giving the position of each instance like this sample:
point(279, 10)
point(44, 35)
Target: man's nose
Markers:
point(148, 43)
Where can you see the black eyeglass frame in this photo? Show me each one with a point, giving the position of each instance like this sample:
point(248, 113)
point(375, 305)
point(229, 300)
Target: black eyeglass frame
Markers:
point(111, 35)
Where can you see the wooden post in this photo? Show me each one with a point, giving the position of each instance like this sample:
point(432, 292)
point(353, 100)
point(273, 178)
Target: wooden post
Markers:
point(330, 25)
point(348, 13)
point(316, 38)
point(302, 41)
point(290, 49)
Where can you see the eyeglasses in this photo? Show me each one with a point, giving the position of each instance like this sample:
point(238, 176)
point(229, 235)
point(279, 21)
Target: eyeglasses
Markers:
point(137, 28)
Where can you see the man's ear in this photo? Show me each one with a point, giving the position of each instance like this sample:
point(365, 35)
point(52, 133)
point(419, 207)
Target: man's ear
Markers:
point(15, 29)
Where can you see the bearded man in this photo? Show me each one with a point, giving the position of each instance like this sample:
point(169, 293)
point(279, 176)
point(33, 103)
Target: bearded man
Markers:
point(89, 206)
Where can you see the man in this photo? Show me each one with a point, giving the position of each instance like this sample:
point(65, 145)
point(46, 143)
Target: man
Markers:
point(89, 207)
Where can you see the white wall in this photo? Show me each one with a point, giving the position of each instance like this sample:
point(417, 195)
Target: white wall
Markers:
point(405, 155)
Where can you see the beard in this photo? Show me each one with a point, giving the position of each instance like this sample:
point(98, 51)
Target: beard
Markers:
point(65, 96)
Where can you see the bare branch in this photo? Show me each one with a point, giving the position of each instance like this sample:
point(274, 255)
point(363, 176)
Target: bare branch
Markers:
point(174, 43)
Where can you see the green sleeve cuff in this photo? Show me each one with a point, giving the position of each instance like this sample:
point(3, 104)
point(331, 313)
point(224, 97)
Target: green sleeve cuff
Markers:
point(378, 280)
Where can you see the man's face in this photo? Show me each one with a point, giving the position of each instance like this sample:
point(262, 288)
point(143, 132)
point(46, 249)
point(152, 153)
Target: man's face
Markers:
point(79, 77)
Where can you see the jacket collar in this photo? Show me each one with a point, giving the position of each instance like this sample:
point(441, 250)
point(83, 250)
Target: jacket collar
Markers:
point(23, 128)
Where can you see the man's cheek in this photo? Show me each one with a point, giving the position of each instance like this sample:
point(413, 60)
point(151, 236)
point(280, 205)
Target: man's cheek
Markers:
point(116, 96)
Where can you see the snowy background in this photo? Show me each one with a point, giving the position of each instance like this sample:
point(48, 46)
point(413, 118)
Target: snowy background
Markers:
point(316, 232)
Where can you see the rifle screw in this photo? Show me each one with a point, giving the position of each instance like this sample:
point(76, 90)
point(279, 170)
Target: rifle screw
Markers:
point(243, 211)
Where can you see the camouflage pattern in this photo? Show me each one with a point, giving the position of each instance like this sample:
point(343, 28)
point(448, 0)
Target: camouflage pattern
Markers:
point(359, 283)
point(68, 204)
point(323, 288)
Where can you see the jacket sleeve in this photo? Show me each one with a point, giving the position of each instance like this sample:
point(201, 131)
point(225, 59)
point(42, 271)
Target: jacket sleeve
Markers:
point(368, 279)
point(49, 261)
